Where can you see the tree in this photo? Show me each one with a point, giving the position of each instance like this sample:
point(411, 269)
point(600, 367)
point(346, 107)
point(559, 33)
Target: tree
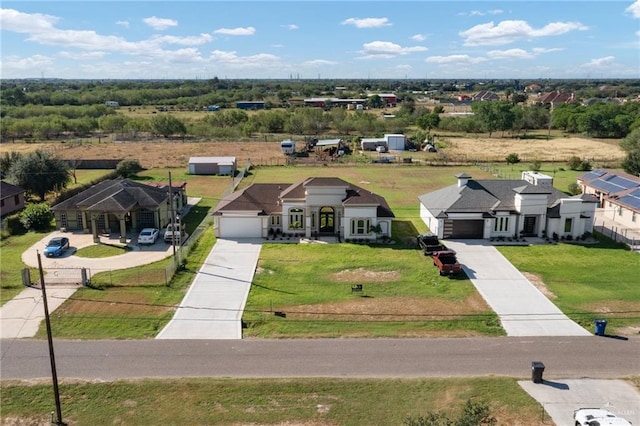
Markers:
point(128, 168)
point(39, 172)
point(36, 216)
point(631, 144)
point(428, 121)
point(512, 158)
point(167, 125)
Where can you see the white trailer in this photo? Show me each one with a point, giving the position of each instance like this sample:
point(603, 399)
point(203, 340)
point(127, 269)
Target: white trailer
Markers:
point(288, 147)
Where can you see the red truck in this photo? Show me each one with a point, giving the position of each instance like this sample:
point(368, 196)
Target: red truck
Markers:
point(447, 262)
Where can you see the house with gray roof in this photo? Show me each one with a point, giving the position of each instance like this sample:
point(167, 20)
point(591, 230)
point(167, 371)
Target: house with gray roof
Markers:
point(493, 208)
point(11, 198)
point(316, 206)
point(119, 205)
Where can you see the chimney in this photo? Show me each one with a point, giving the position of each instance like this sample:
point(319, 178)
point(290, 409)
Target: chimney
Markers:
point(463, 178)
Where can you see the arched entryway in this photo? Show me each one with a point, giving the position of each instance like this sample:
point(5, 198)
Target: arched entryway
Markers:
point(327, 220)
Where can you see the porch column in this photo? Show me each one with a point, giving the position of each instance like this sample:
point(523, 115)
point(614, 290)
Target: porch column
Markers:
point(94, 229)
point(85, 225)
point(123, 229)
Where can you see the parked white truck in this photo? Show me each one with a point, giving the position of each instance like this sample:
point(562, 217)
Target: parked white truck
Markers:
point(598, 417)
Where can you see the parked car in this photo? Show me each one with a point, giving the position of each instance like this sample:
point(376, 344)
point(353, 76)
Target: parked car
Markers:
point(598, 417)
point(56, 246)
point(429, 243)
point(174, 233)
point(148, 235)
point(447, 262)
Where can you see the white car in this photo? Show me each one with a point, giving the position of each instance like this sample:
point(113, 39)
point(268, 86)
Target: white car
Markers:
point(598, 417)
point(148, 235)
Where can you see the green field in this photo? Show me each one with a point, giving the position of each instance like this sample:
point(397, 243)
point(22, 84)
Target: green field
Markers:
point(321, 401)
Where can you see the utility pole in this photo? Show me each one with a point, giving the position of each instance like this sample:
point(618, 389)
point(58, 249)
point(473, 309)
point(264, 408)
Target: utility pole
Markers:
point(173, 222)
point(52, 357)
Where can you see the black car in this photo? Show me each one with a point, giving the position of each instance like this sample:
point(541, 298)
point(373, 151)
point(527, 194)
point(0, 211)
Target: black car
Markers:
point(429, 243)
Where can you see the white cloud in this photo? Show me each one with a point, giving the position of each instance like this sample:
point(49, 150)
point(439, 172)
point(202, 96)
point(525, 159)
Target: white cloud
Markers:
point(231, 59)
point(82, 55)
point(418, 37)
point(634, 9)
point(291, 27)
point(540, 50)
point(186, 41)
point(236, 31)
point(509, 54)
point(160, 23)
point(124, 24)
point(12, 20)
point(367, 22)
point(454, 59)
point(509, 31)
point(28, 63)
point(318, 62)
point(495, 12)
point(386, 49)
point(600, 62)
point(480, 13)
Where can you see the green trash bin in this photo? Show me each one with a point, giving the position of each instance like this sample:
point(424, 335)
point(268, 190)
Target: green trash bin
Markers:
point(537, 368)
point(601, 325)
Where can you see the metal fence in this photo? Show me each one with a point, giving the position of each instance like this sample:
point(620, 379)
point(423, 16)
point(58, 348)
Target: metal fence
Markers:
point(628, 236)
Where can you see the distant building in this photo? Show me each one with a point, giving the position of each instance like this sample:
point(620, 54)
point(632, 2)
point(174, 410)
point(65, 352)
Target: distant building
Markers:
point(112, 103)
point(212, 166)
point(250, 105)
point(11, 198)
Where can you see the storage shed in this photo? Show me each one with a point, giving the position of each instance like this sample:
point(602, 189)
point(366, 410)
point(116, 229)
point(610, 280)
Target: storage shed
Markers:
point(212, 166)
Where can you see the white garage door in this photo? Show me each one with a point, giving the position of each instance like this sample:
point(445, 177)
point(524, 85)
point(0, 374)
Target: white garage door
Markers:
point(233, 227)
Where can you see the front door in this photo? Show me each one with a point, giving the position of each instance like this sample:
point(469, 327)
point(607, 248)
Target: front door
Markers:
point(529, 225)
point(327, 219)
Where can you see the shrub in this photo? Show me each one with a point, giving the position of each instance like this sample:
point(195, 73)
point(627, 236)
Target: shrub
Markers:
point(128, 168)
point(574, 189)
point(574, 163)
point(536, 165)
point(36, 216)
point(12, 225)
point(512, 158)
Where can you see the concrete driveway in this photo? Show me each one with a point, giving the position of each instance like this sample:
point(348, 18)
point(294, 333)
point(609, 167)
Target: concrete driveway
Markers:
point(213, 306)
point(522, 308)
point(560, 398)
point(21, 317)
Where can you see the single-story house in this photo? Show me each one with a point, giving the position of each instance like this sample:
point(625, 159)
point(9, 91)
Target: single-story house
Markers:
point(490, 208)
point(119, 205)
point(485, 95)
point(618, 194)
point(316, 206)
point(212, 166)
point(11, 198)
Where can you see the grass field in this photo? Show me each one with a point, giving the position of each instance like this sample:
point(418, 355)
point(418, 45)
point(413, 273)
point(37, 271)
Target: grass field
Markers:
point(284, 402)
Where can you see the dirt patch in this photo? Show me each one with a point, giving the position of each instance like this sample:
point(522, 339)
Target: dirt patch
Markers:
point(389, 309)
point(362, 275)
point(540, 285)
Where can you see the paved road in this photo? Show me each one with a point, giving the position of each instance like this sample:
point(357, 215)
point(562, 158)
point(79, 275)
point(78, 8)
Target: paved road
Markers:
point(564, 357)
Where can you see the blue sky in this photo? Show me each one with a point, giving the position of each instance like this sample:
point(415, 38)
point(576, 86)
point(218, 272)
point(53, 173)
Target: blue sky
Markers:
point(320, 39)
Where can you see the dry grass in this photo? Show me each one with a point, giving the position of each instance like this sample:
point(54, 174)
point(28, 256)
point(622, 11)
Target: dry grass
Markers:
point(161, 153)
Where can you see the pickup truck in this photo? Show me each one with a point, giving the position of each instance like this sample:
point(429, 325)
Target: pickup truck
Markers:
point(447, 262)
point(597, 417)
point(429, 243)
point(174, 234)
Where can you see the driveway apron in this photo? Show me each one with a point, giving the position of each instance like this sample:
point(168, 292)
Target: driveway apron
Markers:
point(522, 308)
point(213, 305)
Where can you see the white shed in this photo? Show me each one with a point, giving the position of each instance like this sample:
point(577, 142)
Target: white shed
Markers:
point(395, 142)
point(212, 166)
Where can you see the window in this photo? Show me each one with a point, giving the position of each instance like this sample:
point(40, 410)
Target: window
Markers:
point(633, 216)
point(80, 224)
point(2, 203)
point(568, 224)
point(275, 220)
point(16, 199)
point(360, 226)
point(501, 224)
point(64, 223)
point(296, 218)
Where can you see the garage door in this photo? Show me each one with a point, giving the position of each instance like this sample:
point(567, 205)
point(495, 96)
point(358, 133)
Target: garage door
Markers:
point(467, 229)
point(232, 227)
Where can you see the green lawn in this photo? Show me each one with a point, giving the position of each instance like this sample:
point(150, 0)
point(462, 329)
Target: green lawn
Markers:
point(11, 265)
point(315, 401)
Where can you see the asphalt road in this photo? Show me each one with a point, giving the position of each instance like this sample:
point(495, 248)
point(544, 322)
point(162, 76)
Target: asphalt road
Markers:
point(564, 357)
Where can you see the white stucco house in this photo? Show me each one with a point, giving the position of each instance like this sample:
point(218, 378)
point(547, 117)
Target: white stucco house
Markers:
point(316, 206)
point(618, 195)
point(493, 208)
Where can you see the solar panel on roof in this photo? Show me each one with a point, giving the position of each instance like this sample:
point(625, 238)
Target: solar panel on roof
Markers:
point(623, 182)
point(594, 174)
point(605, 186)
point(631, 199)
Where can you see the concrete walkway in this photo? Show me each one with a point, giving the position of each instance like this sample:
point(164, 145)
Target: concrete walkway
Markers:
point(213, 306)
point(522, 308)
